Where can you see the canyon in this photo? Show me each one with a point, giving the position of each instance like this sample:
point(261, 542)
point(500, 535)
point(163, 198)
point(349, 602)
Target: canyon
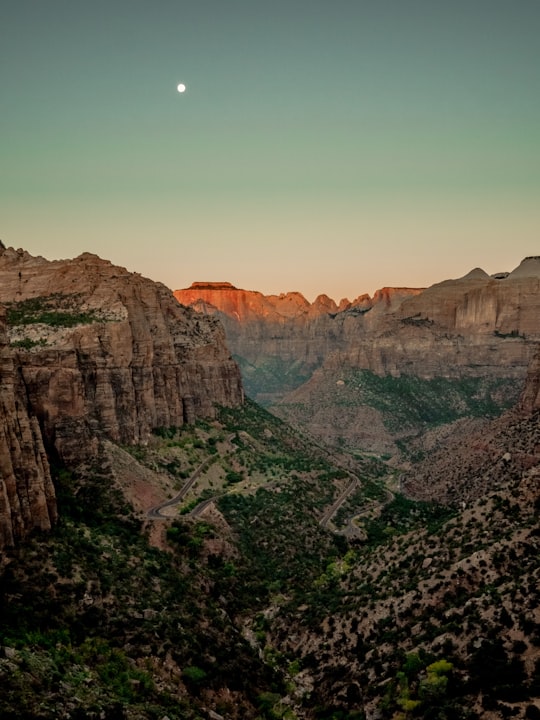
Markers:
point(280, 340)
point(386, 569)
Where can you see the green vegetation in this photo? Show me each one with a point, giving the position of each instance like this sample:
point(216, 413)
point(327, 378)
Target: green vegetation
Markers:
point(54, 310)
point(424, 688)
point(511, 334)
point(408, 400)
point(256, 611)
point(27, 343)
point(91, 612)
point(402, 515)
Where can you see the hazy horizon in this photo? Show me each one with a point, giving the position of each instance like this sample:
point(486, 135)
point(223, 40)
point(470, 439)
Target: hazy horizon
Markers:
point(318, 148)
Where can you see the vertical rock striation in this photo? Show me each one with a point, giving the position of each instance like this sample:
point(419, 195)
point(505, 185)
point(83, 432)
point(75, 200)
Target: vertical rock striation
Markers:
point(530, 397)
point(27, 498)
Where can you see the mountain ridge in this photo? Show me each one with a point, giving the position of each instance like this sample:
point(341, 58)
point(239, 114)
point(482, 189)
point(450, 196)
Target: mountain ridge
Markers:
point(477, 328)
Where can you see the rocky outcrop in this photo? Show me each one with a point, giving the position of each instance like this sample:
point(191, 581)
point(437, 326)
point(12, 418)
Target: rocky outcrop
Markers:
point(481, 304)
point(27, 498)
point(530, 397)
point(110, 352)
point(98, 352)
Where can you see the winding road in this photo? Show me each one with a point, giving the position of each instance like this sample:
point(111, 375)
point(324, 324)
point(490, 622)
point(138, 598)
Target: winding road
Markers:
point(332, 510)
point(369, 508)
point(155, 512)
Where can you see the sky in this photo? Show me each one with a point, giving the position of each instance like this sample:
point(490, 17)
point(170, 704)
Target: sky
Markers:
point(323, 147)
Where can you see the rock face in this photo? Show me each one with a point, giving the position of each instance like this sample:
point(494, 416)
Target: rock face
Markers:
point(474, 326)
point(475, 329)
point(101, 352)
point(530, 397)
point(280, 340)
point(27, 498)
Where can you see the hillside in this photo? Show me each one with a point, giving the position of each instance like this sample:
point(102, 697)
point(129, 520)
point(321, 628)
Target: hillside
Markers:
point(120, 612)
point(435, 616)
point(173, 551)
point(257, 604)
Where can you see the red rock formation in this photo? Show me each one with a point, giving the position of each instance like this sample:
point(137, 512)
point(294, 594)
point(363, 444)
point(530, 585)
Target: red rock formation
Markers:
point(252, 306)
point(476, 326)
point(27, 498)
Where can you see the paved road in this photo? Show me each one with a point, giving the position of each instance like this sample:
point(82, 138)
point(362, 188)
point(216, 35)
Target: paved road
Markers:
point(332, 510)
point(155, 512)
point(198, 509)
point(366, 510)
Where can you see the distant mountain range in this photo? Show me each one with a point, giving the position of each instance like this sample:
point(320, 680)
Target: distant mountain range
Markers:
point(320, 366)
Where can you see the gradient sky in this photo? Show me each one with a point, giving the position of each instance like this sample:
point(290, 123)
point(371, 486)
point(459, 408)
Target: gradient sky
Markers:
point(331, 147)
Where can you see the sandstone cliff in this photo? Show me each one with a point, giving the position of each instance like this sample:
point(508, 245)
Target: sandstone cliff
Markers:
point(473, 326)
point(280, 340)
point(476, 334)
point(27, 498)
point(110, 351)
point(100, 352)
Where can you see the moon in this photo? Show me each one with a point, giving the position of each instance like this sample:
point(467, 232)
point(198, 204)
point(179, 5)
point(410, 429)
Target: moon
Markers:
point(181, 88)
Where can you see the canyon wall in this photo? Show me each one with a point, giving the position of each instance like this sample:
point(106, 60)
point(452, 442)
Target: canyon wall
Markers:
point(101, 352)
point(27, 499)
point(472, 325)
point(280, 340)
point(468, 325)
point(308, 363)
point(530, 397)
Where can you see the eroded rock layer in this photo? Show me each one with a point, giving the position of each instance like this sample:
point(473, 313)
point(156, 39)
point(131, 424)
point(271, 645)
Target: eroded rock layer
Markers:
point(471, 325)
point(309, 362)
point(101, 352)
point(280, 340)
point(27, 498)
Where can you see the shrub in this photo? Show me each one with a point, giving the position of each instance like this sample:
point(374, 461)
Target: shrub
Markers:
point(194, 674)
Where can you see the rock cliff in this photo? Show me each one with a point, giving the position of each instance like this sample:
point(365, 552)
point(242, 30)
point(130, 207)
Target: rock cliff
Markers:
point(101, 352)
point(280, 340)
point(473, 326)
point(530, 397)
point(27, 498)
